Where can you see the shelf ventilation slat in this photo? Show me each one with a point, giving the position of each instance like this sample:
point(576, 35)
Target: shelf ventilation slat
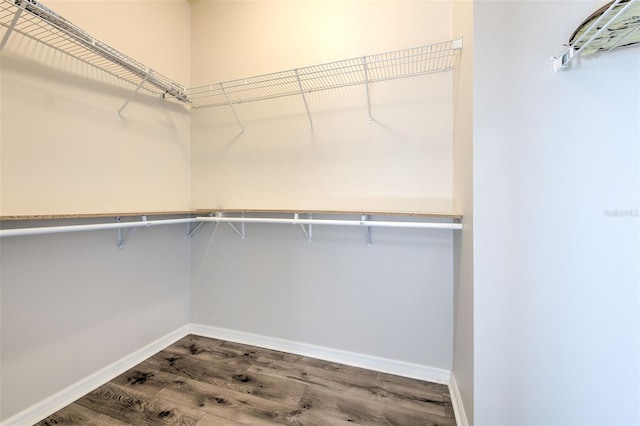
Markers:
point(437, 57)
point(31, 19)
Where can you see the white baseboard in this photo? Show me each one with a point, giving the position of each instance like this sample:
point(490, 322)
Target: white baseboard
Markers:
point(400, 368)
point(456, 401)
point(61, 399)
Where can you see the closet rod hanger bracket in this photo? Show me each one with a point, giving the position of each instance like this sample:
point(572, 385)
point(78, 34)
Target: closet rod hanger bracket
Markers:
point(191, 232)
point(122, 240)
point(306, 230)
point(367, 229)
point(240, 231)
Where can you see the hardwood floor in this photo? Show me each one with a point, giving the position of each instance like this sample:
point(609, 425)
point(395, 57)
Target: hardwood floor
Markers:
point(203, 382)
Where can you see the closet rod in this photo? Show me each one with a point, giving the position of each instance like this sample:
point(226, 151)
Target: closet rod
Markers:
point(19, 232)
point(339, 222)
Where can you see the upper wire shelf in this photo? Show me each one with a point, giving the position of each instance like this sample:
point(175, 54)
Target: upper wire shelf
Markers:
point(431, 58)
point(31, 19)
point(614, 25)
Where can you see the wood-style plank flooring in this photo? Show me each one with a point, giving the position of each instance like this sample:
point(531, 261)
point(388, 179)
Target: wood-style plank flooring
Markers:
point(203, 382)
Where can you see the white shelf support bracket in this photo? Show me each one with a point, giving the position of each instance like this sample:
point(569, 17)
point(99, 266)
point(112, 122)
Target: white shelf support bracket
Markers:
point(122, 239)
point(304, 98)
point(366, 86)
point(191, 232)
point(367, 229)
point(135, 91)
point(457, 43)
point(307, 230)
point(240, 231)
point(561, 62)
point(12, 25)
point(224, 92)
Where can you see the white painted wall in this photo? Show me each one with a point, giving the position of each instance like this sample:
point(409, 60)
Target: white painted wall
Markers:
point(235, 39)
point(72, 304)
point(401, 162)
point(556, 306)
point(63, 151)
point(463, 331)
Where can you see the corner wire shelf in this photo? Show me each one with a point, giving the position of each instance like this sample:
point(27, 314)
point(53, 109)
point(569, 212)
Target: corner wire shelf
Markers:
point(437, 57)
point(31, 19)
point(615, 25)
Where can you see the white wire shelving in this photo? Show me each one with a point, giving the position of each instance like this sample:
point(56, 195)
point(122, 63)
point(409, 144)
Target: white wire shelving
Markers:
point(615, 25)
point(364, 70)
point(31, 19)
point(304, 219)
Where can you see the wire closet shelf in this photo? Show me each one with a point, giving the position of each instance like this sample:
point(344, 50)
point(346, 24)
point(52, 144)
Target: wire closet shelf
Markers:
point(613, 26)
point(436, 57)
point(31, 19)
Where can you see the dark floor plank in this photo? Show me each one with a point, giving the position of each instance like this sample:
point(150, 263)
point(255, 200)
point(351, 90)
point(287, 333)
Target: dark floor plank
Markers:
point(216, 351)
point(138, 408)
point(360, 386)
point(233, 376)
point(336, 367)
point(213, 371)
point(391, 378)
point(258, 352)
point(145, 379)
point(227, 403)
point(211, 420)
point(310, 375)
point(77, 415)
point(194, 345)
point(448, 406)
point(357, 410)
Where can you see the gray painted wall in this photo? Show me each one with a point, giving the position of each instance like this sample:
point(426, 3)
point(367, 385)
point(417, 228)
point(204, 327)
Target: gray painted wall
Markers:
point(391, 300)
point(557, 312)
point(72, 304)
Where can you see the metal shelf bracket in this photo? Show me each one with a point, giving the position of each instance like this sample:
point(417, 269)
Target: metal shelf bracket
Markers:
point(122, 239)
point(308, 230)
point(224, 92)
point(191, 232)
point(367, 229)
point(138, 87)
point(366, 86)
point(240, 231)
point(304, 98)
